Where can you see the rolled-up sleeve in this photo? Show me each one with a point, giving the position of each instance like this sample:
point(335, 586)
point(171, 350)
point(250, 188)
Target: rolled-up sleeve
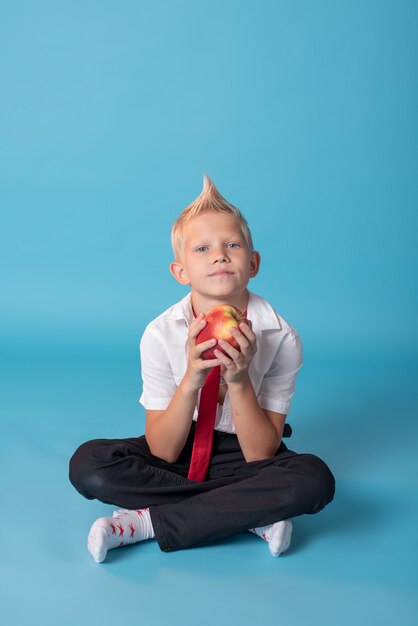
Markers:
point(157, 377)
point(279, 383)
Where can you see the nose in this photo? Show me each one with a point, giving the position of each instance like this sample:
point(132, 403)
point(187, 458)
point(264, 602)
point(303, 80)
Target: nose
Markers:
point(219, 255)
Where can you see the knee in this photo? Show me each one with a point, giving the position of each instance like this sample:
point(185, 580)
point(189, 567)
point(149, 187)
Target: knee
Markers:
point(82, 472)
point(320, 483)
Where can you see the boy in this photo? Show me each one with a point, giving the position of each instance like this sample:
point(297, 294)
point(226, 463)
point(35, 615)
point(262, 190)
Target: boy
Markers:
point(253, 481)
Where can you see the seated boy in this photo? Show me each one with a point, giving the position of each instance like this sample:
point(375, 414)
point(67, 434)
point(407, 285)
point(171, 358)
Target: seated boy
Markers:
point(253, 482)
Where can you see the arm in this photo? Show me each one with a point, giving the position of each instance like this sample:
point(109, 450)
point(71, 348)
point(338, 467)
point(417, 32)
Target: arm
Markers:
point(259, 431)
point(166, 431)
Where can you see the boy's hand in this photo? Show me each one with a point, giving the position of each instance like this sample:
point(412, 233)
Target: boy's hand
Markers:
point(235, 368)
point(198, 368)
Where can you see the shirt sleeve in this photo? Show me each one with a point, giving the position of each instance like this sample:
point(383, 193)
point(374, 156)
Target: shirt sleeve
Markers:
point(157, 376)
point(278, 385)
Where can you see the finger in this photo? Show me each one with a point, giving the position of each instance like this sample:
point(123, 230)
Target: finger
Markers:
point(196, 326)
point(240, 338)
point(247, 330)
point(207, 364)
point(195, 331)
point(224, 360)
point(199, 348)
point(251, 346)
point(230, 350)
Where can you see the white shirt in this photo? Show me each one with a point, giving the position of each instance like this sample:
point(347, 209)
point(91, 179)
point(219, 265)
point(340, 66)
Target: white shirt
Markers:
point(273, 369)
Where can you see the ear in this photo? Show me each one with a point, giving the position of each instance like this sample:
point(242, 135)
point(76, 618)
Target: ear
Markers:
point(179, 273)
point(255, 261)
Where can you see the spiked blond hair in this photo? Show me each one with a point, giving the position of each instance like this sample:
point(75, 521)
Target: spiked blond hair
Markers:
point(210, 200)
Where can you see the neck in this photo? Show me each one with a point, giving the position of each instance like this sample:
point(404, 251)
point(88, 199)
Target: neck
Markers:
point(203, 304)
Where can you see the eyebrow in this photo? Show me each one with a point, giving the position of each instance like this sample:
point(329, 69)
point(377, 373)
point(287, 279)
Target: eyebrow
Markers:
point(230, 237)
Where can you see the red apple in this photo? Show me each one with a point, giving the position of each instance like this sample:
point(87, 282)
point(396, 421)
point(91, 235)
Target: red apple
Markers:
point(220, 320)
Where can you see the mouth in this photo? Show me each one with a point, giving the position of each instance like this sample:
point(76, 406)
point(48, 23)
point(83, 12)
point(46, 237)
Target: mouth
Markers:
point(222, 273)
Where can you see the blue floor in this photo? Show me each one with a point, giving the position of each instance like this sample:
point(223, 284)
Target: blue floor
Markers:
point(353, 563)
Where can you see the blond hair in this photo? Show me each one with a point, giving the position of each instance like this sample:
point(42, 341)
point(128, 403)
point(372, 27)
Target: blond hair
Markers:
point(210, 200)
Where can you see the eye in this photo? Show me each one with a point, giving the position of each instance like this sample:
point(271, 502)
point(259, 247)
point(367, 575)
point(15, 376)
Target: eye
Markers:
point(233, 245)
point(201, 248)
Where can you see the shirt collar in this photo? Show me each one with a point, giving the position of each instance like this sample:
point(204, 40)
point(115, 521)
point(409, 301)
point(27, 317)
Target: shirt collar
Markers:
point(262, 314)
point(259, 311)
point(181, 310)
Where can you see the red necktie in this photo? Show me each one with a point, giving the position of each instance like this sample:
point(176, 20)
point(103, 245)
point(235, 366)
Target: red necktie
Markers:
point(203, 437)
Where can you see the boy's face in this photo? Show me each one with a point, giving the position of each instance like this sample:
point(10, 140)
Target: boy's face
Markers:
point(216, 261)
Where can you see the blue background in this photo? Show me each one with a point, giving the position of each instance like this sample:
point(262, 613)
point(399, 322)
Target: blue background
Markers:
point(304, 115)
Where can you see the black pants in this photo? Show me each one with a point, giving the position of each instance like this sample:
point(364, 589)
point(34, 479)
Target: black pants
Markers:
point(235, 497)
